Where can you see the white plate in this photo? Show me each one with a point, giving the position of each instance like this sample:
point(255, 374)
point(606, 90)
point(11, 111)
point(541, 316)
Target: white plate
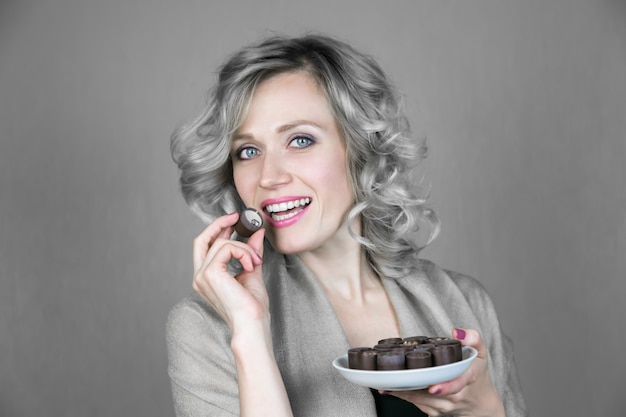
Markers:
point(405, 379)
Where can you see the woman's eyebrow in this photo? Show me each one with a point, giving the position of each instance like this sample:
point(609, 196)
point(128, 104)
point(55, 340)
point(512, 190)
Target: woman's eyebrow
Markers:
point(242, 136)
point(296, 123)
point(283, 128)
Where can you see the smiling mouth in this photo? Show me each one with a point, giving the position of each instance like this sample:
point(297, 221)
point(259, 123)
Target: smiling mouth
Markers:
point(286, 209)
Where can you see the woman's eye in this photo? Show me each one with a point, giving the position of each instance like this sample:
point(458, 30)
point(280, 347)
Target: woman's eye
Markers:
point(301, 142)
point(247, 153)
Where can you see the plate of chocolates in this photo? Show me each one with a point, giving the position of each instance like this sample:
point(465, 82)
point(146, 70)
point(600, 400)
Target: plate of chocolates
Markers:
point(412, 363)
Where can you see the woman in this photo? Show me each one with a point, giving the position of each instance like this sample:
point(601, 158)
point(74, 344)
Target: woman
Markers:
point(309, 132)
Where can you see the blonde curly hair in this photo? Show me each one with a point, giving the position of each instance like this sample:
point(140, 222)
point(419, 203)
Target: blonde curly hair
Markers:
point(382, 154)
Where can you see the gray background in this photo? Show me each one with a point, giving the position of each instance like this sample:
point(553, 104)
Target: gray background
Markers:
point(524, 105)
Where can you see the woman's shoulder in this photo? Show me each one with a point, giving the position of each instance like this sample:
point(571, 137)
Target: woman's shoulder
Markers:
point(436, 272)
point(448, 280)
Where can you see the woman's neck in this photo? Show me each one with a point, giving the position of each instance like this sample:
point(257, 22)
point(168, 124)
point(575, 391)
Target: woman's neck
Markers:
point(342, 269)
point(355, 291)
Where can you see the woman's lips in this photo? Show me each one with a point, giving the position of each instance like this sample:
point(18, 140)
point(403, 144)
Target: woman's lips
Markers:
point(285, 211)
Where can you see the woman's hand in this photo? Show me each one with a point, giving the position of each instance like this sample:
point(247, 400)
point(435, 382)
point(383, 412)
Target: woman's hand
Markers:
point(242, 301)
point(471, 394)
point(238, 299)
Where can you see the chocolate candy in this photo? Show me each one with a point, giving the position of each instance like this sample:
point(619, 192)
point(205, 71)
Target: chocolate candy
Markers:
point(414, 340)
point(443, 355)
point(250, 220)
point(418, 359)
point(409, 353)
point(456, 344)
point(362, 358)
point(385, 346)
point(354, 357)
point(368, 360)
point(390, 360)
point(437, 339)
point(391, 340)
point(425, 346)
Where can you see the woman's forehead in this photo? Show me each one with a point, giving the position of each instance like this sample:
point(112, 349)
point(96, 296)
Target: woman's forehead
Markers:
point(286, 100)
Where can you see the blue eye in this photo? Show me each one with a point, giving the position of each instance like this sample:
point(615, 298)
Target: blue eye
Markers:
point(302, 142)
point(247, 153)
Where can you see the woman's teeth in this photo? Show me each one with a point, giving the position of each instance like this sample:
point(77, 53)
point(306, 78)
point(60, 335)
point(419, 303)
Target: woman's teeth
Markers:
point(273, 209)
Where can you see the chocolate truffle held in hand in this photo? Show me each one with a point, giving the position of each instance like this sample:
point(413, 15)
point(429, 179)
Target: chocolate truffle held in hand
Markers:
point(250, 220)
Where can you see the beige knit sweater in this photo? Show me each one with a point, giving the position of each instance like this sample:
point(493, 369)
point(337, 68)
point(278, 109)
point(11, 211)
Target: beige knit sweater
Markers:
point(307, 336)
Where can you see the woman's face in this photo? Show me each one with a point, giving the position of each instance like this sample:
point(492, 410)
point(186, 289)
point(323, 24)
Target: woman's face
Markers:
point(289, 161)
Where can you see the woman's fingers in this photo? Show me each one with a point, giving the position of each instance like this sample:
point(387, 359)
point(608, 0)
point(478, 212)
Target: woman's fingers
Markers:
point(216, 250)
point(231, 295)
point(222, 251)
point(237, 298)
point(256, 242)
point(470, 393)
point(471, 337)
point(220, 228)
point(468, 337)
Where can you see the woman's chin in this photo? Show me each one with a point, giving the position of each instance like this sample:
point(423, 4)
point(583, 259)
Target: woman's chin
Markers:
point(287, 246)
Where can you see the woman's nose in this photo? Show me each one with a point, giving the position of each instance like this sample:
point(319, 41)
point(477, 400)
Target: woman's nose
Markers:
point(274, 172)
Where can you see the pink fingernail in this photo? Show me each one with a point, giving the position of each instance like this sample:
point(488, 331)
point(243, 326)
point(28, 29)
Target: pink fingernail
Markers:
point(460, 334)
